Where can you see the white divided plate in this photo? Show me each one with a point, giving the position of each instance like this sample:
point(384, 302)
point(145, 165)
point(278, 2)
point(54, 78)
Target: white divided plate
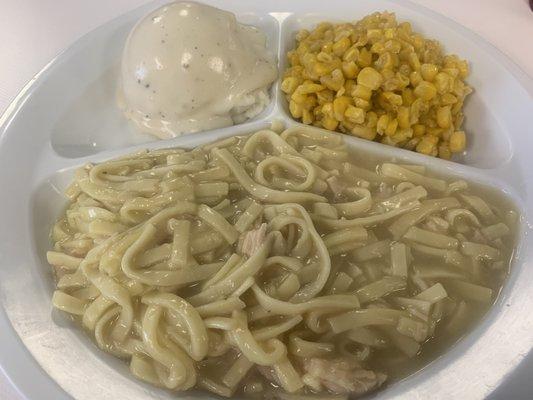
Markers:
point(67, 116)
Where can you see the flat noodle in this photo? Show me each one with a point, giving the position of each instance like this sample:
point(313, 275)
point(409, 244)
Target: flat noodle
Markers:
point(273, 261)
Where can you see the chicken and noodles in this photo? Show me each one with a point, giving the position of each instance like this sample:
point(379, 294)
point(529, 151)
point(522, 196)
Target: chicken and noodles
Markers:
point(275, 264)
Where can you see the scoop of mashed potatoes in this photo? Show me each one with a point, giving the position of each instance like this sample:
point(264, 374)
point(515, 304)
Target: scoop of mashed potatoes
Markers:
point(188, 67)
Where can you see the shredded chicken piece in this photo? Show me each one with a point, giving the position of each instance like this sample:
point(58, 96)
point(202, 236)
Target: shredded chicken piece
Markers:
point(250, 241)
point(340, 376)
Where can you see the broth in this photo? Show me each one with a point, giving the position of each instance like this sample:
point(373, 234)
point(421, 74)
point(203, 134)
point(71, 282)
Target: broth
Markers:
point(277, 265)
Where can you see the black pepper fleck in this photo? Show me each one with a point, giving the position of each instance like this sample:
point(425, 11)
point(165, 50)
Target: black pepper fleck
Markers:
point(195, 47)
point(185, 66)
point(147, 85)
point(138, 81)
point(162, 40)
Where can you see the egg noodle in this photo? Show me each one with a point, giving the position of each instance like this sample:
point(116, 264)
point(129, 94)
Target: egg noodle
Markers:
point(272, 265)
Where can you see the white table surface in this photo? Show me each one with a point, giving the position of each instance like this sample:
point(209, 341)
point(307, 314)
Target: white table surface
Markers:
point(32, 32)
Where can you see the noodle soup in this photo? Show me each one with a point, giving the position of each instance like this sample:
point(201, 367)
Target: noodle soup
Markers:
point(276, 265)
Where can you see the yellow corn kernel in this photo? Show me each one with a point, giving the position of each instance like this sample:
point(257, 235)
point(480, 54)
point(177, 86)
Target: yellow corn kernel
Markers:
point(442, 82)
point(405, 27)
point(289, 84)
point(306, 74)
point(402, 135)
point(427, 145)
point(298, 97)
point(364, 132)
point(350, 69)
point(382, 124)
point(339, 107)
point(377, 48)
point(352, 54)
point(444, 151)
point(393, 98)
point(458, 88)
point(417, 41)
point(448, 99)
point(412, 143)
point(413, 61)
point(415, 111)
point(295, 109)
point(452, 72)
point(327, 48)
point(362, 92)
point(324, 57)
point(371, 119)
point(456, 108)
point(419, 130)
point(403, 81)
point(433, 131)
point(346, 126)
point(385, 61)
point(457, 141)
point(458, 121)
point(308, 59)
point(387, 74)
point(294, 58)
point(446, 133)
point(302, 34)
point(355, 114)
point(403, 117)
point(374, 35)
point(415, 78)
point(428, 120)
point(295, 71)
point(393, 46)
point(340, 46)
point(327, 110)
point(425, 90)
point(308, 87)
point(408, 96)
point(310, 102)
point(334, 81)
point(463, 69)
point(389, 33)
point(388, 141)
point(391, 127)
point(370, 78)
point(365, 58)
point(349, 85)
point(320, 69)
point(325, 96)
point(307, 117)
point(330, 123)
point(364, 104)
point(429, 71)
point(444, 117)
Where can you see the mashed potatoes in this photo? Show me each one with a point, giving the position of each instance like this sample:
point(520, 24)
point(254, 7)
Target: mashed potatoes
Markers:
point(189, 67)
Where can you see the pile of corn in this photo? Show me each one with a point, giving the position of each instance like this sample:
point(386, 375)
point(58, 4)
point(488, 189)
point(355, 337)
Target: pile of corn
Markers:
point(379, 80)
